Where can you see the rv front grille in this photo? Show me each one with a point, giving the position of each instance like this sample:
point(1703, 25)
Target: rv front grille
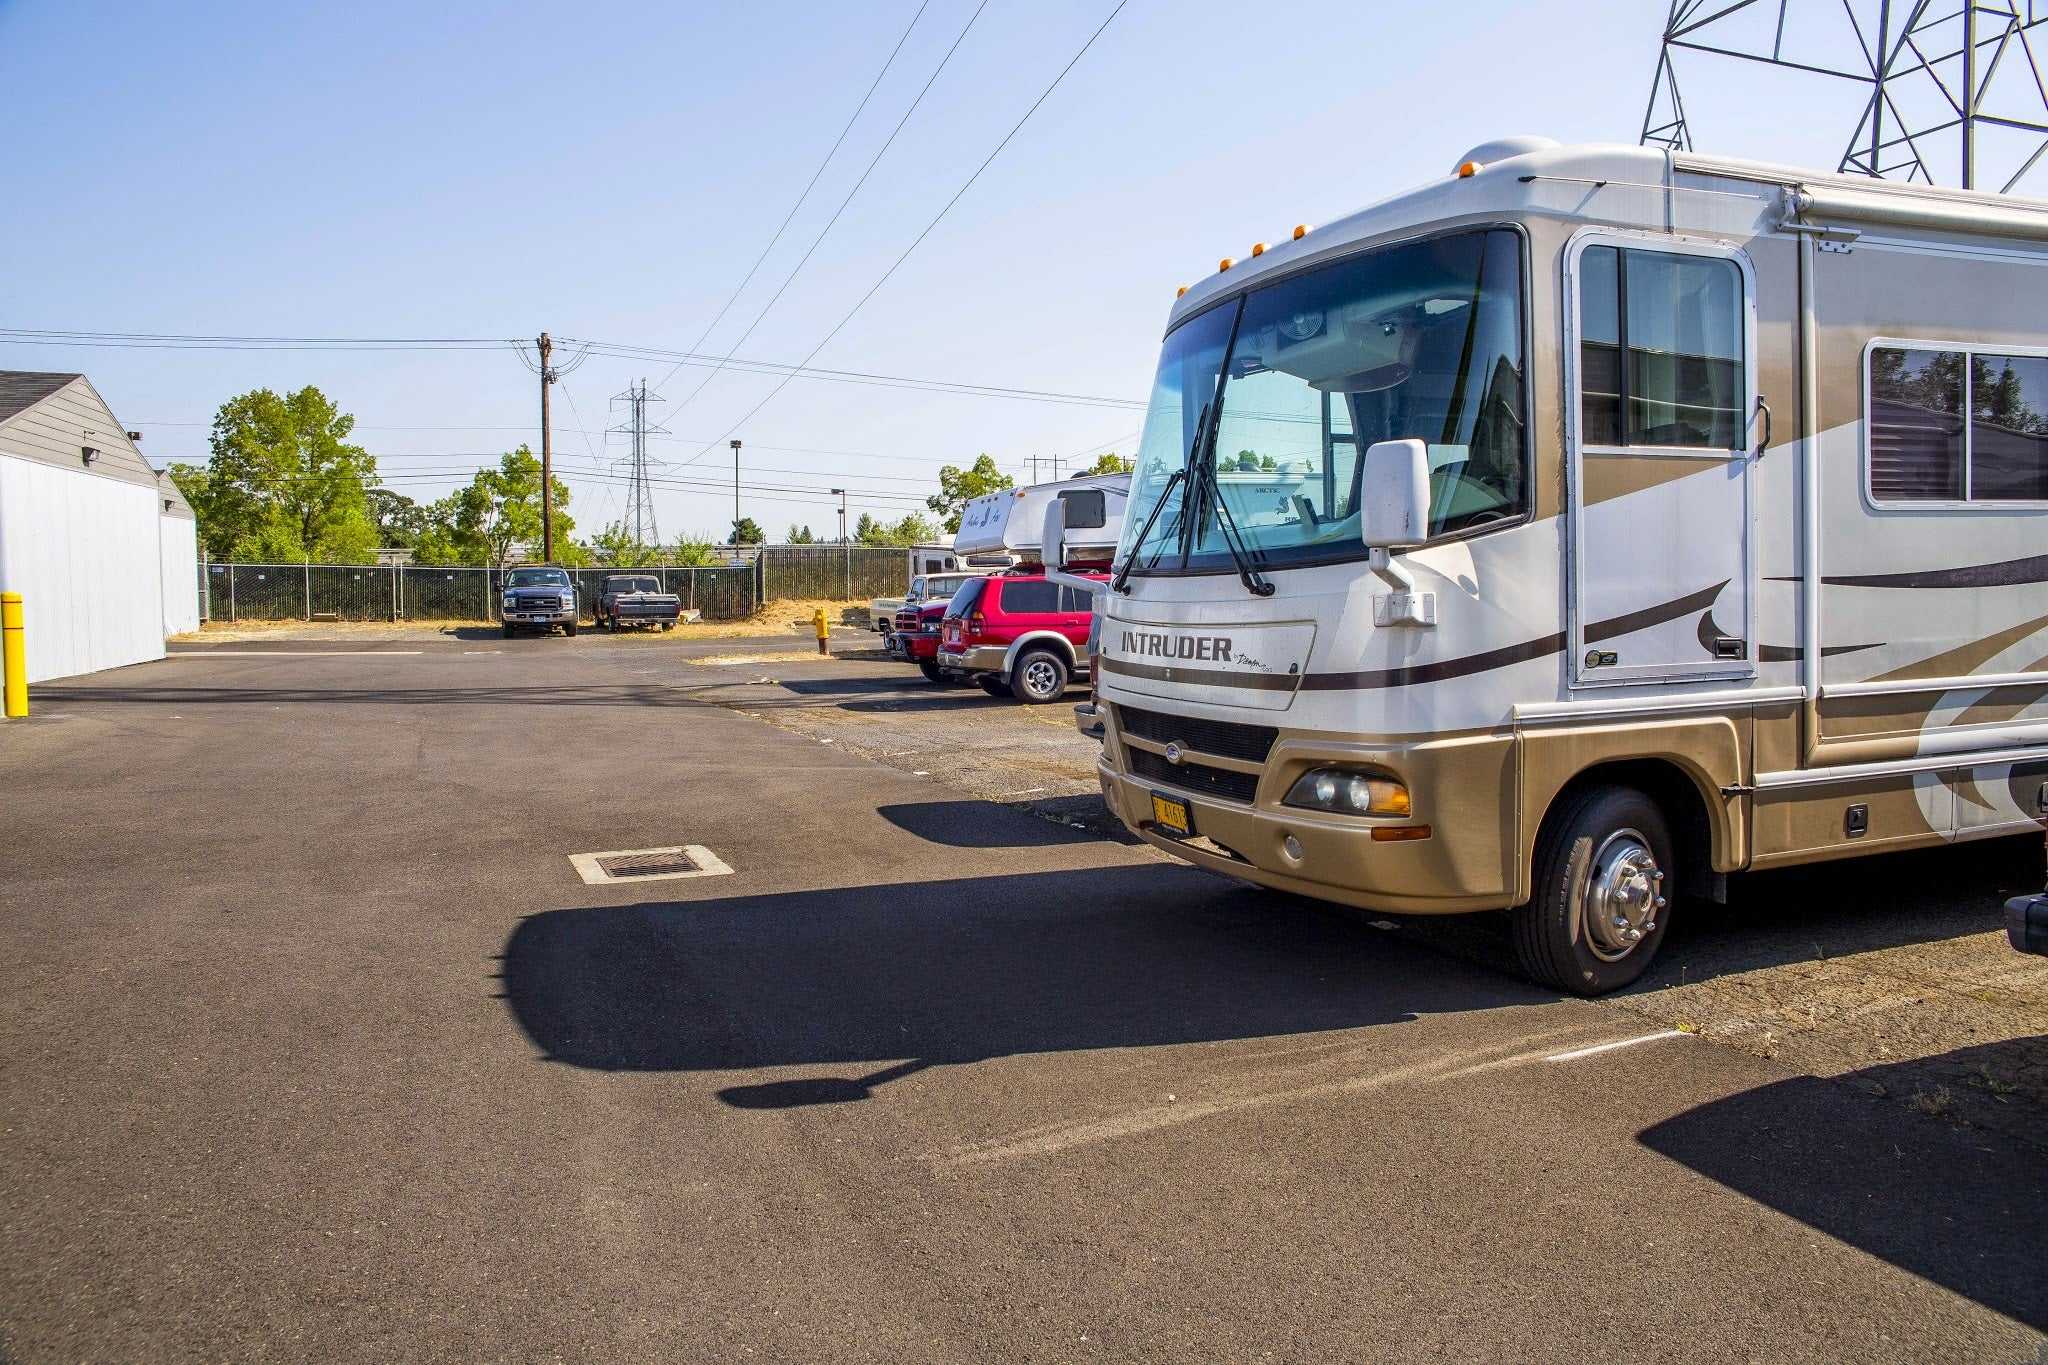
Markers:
point(1249, 742)
point(1193, 777)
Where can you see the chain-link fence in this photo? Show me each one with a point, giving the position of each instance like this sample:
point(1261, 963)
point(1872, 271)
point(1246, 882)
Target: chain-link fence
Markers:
point(834, 572)
point(414, 592)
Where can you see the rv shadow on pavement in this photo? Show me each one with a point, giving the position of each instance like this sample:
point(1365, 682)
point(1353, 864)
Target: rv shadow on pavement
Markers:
point(983, 824)
point(1829, 910)
point(870, 979)
point(1926, 1194)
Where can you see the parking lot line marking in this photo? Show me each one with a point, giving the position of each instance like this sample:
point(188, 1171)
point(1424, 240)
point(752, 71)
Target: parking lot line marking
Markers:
point(1598, 1048)
point(209, 653)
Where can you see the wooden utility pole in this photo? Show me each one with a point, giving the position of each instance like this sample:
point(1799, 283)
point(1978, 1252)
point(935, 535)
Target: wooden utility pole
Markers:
point(547, 459)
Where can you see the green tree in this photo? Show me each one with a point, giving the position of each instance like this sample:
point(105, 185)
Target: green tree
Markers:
point(615, 546)
point(693, 552)
point(912, 530)
point(1112, 463)
point(1268, 465)
point(746, 531)
point(499, 510)
point(958, 487)
point(282, 481)
point(800, 535)
point(400, 521)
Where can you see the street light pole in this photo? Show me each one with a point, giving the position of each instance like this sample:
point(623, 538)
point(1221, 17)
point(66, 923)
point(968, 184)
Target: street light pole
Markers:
point(846, 545)
point(735, 489)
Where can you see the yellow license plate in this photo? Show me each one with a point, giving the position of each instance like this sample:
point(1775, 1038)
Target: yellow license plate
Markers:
point(1172, 817)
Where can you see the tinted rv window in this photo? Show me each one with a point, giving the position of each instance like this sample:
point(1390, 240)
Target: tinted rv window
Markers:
point(2008, 428)
point(1916, 425)
point(1923, 450)
point(1661, 358)
point(1085, 509)
point(1029, 595)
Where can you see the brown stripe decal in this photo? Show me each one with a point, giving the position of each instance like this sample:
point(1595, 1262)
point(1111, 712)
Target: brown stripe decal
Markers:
point(2005, 574)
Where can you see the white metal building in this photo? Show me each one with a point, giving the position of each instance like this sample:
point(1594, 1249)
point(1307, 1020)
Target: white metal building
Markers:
point(103, 549)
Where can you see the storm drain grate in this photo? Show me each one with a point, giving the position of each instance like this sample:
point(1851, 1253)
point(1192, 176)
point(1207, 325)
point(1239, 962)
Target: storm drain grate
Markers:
point(648, 864)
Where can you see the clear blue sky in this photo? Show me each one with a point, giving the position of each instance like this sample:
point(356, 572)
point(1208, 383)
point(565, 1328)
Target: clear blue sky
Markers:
point(610, 171)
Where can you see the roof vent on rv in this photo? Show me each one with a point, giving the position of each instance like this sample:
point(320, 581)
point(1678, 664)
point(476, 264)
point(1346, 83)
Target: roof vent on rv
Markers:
point(1500, 149)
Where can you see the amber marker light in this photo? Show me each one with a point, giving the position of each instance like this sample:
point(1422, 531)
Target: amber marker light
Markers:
point(1225, 263)
point(1258, 248)
point(1468, 170)
point(1300, 231)
point(1399, 834)
point(1180, 292)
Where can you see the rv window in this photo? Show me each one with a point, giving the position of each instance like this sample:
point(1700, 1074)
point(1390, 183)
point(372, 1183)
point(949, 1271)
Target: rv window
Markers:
point(1916, 425)
point(1024, 595)
point(1661, 359)
point(2008, 428)
point(1600, 346)
point(1085, 508)
point(1922, 449)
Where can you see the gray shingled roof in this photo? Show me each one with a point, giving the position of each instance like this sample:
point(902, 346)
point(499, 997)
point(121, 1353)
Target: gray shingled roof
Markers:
point(22, 389)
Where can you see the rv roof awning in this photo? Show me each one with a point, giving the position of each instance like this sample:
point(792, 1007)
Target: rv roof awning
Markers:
point(1945, 213)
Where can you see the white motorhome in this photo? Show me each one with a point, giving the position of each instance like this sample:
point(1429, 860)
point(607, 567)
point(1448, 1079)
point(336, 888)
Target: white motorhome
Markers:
point(1012, 522)
point(1613, 520)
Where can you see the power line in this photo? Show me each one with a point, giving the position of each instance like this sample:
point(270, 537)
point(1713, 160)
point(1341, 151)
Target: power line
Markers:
point(585, 348)
point(809, 185)
point(928, 227)
point(831, 222)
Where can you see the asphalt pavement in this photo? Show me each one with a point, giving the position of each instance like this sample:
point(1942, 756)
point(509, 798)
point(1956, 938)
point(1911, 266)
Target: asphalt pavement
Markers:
point(313, 1045)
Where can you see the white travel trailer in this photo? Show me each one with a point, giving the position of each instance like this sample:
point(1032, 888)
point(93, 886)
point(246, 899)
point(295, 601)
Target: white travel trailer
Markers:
point(1591, 524)
point(1012, 522)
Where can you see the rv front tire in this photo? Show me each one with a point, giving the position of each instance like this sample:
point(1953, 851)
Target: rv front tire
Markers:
point(1602, 888)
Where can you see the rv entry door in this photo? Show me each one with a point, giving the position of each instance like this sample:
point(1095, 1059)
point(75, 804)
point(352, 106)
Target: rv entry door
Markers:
point(1660, 346)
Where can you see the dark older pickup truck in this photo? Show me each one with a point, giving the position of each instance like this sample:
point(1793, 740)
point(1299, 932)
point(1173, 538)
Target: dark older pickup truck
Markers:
point(634, 599)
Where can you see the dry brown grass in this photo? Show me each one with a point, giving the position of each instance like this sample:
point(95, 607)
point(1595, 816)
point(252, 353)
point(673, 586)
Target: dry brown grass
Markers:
point(777, 618)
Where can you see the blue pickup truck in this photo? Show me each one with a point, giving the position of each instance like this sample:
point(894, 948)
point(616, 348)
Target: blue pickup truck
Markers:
point(538, 597)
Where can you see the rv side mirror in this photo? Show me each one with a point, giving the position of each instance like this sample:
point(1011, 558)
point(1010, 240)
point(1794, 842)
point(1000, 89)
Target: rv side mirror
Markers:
point(1052, 546)
point(1393, 495)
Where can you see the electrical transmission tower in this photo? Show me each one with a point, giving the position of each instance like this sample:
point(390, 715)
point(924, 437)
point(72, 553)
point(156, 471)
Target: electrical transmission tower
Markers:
point(639, 523)
point(1951, 92)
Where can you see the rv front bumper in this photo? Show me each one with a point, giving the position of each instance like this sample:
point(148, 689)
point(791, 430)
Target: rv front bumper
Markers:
point(1457, 786)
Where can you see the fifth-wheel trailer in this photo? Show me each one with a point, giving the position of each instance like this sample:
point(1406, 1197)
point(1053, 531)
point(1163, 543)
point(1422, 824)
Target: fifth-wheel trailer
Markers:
point(1593, 523)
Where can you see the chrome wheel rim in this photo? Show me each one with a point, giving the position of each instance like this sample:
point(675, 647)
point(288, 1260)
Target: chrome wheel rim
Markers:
point(1040, 677)
point(1624, 895)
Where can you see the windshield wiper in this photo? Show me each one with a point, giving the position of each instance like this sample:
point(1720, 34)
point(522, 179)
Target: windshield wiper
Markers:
point(1255, 582)
point(1123, 575)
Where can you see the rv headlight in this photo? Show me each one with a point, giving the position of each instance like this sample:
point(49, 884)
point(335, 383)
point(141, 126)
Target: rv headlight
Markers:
point(1345, 791)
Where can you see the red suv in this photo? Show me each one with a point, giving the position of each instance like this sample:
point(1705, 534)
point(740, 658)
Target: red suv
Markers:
point(1019, 634)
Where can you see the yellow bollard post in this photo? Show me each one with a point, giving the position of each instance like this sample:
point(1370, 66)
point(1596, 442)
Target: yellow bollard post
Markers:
point(824, 630)
point(13, 655)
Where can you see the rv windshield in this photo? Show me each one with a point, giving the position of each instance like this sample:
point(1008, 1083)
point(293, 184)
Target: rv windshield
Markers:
point(1422, 339)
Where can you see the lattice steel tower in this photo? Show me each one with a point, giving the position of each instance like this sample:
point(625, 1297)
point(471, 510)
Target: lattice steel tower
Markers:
point(639, 521)
point(1952, 92)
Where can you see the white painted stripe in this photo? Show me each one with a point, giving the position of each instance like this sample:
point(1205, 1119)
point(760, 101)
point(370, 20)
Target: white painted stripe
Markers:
point(208, 653)
point(1598, 1048)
